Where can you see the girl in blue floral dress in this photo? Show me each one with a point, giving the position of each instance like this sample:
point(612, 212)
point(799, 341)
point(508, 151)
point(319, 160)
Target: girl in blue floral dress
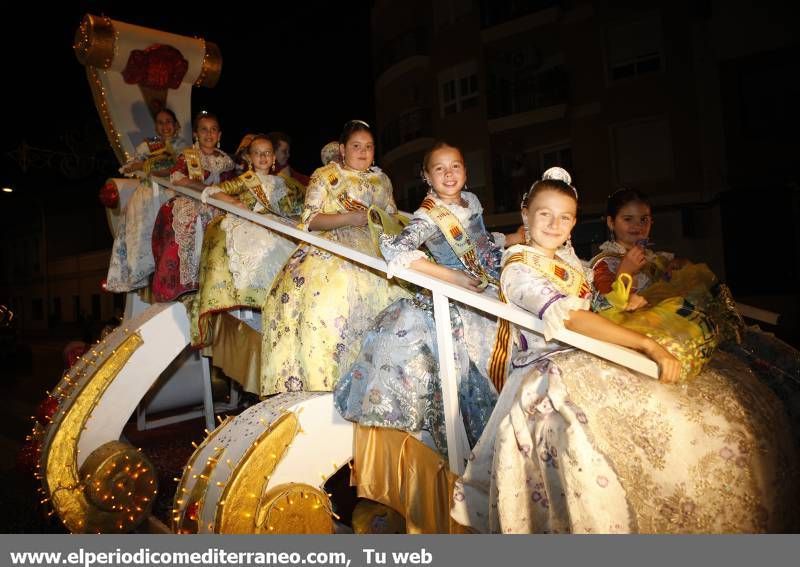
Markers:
point(395, 379)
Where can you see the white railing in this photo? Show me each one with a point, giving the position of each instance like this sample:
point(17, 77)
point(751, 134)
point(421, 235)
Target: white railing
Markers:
point(443, 291)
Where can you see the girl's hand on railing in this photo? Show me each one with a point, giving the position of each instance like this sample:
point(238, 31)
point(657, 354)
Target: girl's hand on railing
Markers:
point(465, 280)
point(132, 166)
point(224, 197)
point(668, 365)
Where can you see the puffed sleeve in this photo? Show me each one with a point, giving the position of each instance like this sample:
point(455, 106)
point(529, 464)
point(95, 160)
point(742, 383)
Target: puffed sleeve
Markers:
point(403, 249)
point(526, 288)
point(604, 275)
point(316, 194)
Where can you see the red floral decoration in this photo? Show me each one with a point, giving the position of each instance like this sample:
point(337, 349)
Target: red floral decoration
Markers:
point(157, 67)
point(46, 410)
point(109, 195)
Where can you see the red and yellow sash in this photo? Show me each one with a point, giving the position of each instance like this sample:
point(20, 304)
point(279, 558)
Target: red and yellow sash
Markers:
point(343, 200)
point(253, 184)
point(567, 279)
point(458, 239)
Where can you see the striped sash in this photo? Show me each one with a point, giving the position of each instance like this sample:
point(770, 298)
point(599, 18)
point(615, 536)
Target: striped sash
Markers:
point(458, 239)
point(567, 279)
point(253, 184)
point(498, 362)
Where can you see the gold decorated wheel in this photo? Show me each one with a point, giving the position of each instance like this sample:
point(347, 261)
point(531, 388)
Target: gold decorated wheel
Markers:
point(120, 483)
point(294, 509)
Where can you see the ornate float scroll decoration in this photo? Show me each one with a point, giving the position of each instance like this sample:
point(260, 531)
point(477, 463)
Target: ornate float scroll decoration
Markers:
point(131, 70)
point(264, 471)
point(114, 489)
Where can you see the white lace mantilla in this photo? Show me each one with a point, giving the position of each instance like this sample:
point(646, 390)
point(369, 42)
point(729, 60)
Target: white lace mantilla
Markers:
point(186, 215)
point(461, 212)
point(255, 253)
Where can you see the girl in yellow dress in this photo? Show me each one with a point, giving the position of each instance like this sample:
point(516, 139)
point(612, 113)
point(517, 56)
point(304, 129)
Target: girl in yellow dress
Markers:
point(320, 305)
point(240, 259)
point(675, 302)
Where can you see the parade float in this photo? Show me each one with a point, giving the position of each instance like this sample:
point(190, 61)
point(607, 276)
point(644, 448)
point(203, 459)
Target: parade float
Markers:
point(264, 470)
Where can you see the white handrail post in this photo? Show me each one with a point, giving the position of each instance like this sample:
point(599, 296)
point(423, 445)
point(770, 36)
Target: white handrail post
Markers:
point(447, 376)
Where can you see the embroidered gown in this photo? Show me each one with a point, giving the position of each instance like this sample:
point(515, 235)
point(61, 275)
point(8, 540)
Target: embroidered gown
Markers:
point(240, 259)
point(132, 252)
point(395, 379)
point(320, 304)
point(578, 444)
point(178, 231)
point(698, 290)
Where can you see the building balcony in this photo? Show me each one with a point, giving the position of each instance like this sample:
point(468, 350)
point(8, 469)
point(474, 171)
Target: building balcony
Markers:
point(539, 94)
point(413, 43)
point(408, 127)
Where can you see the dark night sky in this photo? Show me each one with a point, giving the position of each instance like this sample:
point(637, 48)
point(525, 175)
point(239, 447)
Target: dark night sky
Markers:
point(310, 64)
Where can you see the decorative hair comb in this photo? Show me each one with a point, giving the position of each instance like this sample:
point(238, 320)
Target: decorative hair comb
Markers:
point(552, 174)
point(351, 122)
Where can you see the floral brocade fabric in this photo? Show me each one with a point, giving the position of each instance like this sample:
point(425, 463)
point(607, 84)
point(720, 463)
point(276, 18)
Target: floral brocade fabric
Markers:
point(240, 259)
point(395, 380)
point(577, 444)
point(580, 445)
point(320, 304)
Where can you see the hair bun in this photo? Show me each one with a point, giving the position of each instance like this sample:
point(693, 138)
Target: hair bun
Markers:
point(558, 174)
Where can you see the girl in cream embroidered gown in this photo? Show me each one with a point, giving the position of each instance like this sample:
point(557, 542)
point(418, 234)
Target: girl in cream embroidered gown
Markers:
point(132, 253)
point(240, 259)
point(578, 444)
point(320, 304)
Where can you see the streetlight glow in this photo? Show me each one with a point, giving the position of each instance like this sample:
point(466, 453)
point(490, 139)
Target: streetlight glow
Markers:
point(7, 190)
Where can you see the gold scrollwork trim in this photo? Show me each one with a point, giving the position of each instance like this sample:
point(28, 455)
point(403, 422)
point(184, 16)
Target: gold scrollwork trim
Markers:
point(100, 101)
point(295, 509)
point(212, 66)
point(239, 502)
point(181, 523)
point(95, 41)
point(60, 456)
